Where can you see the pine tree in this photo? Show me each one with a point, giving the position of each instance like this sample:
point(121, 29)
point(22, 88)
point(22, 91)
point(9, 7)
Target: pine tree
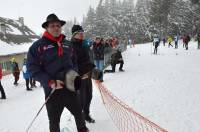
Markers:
point(142, 26)
point(89, 22)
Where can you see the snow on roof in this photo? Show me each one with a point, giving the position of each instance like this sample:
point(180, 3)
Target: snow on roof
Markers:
point(14, 30)
point(9, 49)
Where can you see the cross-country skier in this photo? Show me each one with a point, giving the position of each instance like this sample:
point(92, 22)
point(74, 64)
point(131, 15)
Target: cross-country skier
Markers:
point(170, 40)
point(186, 40)
point(156, 41)
point(176, 39)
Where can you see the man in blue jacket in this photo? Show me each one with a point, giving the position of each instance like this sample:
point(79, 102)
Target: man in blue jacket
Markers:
point(50, 63)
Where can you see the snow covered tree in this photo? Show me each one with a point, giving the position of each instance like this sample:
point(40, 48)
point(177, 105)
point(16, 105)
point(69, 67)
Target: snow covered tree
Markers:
point(159, 14)
point(89, 22)
point(142, 26)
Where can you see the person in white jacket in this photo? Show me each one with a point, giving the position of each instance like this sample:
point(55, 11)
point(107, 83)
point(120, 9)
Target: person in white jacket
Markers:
point(26, 75)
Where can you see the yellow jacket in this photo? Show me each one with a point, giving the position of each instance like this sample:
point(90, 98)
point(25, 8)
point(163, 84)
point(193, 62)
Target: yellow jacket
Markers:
point(170, 40)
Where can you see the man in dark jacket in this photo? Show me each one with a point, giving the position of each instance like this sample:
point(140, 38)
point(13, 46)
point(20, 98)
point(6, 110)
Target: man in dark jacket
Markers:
point(116, 57)
point(85, 67)
point(50, 63)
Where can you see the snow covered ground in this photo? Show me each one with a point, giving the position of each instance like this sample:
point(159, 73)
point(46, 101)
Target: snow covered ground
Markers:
point(164, 88)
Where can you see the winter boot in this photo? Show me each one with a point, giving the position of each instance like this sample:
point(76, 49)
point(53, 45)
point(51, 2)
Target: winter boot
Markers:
point(85, 129)
point(89, 119)
point(29, 89)
point(3, 97)
point(121, 70)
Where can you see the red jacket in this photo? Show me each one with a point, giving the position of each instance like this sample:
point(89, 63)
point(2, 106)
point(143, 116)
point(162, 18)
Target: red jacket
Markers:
point(1, 74)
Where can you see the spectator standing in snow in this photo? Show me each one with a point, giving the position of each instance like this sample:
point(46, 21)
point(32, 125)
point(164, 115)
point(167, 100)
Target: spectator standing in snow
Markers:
point(50, 62)
point(98, 50)
point(3, 95)
point(32, 82)
point(85, 67)
point(15, 70)
point(26, 75)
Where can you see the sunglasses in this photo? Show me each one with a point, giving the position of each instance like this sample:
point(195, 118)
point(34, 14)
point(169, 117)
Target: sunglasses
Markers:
point(79, 33)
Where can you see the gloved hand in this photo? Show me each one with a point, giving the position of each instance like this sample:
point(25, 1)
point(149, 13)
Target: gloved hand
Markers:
point(72, 80)
point(56, 84)
point(85, 76)
point(97, 74)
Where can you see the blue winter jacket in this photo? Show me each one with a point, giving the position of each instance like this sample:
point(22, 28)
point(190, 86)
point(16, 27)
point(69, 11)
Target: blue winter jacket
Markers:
point(44, 63)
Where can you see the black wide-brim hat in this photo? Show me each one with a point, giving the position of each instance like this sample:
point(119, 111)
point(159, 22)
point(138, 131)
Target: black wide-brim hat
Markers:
point(52, 18)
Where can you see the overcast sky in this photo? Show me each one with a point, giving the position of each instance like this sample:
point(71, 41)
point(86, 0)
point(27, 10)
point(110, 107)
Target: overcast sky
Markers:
point(36, 11)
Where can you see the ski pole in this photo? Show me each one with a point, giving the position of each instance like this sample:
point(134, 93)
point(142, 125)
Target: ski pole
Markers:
point(40, 110)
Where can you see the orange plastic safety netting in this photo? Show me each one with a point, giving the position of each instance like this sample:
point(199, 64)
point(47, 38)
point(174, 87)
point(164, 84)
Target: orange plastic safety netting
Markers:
point(124, 117)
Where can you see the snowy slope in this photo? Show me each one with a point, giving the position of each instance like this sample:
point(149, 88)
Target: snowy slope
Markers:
point(163, 88)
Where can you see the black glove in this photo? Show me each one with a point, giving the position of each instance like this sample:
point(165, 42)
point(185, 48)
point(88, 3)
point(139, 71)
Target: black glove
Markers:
point(97, 74)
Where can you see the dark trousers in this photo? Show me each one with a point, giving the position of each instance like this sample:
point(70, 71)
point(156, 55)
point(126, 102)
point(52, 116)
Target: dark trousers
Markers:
point(86, 95)
point(186, 46)
point(170, 45)
point(16, 76)
point(176, 45)
point(156, 48)
point(2, 90)
point(64, 99)
point(32, 82)
point(198, 45)
point(121, 62)
point(27, 83)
